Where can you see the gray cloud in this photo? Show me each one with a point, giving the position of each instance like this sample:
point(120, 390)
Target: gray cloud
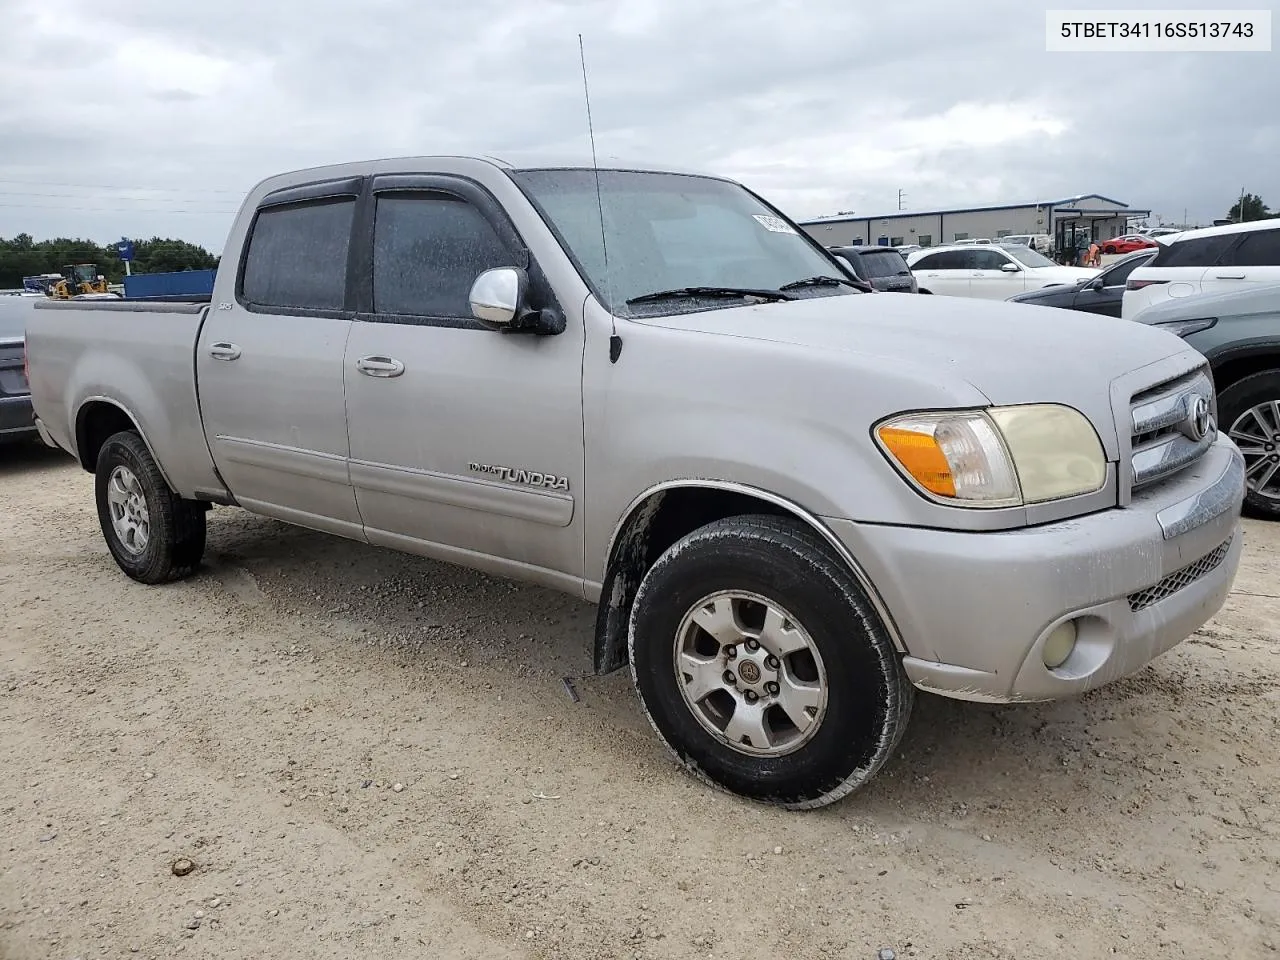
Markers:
point(819, 104)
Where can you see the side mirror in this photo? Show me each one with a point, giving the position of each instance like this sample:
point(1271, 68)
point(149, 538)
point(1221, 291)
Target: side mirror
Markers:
point(497, 296)
point(1096, 283)
point(1011, 268)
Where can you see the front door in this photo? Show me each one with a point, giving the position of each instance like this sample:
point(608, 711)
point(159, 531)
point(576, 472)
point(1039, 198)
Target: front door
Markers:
point(988, 278)
point(466, 442)
point(269, 364)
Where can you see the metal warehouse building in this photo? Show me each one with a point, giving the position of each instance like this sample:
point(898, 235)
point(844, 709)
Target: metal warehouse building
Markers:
point(1098, 217)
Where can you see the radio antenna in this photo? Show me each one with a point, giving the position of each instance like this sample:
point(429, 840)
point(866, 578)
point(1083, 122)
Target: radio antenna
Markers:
point(615, 341)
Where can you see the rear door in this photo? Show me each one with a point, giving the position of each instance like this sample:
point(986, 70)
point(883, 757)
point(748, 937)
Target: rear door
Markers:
point(1177, 271)
point(1255, 258)
point(945, 272)
point(269, 365)
point(466, 442)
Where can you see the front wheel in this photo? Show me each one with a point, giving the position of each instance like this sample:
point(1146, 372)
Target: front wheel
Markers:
point(1250, 411)
point(154, 535)
point(763, 665)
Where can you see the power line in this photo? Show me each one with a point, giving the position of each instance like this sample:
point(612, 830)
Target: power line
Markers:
point(78, 209)
point(77, 196)
point(104, 186)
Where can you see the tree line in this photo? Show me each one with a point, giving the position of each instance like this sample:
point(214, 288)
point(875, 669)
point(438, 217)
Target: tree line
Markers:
point(24, 257)
point(1249, 207)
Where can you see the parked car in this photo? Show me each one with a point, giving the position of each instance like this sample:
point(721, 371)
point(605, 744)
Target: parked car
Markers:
point(1127, 244)
point(991, 272)
point(17, 422)
point(1239, 333)
point(882, 267)
point(1209, 260)
point(1098, 294)
point(906, 248)
point(1039, 242)
point(789, 497)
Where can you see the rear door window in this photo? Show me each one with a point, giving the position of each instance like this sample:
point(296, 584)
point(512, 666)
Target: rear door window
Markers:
point(946, 260)
point(1197, 252)
point(297, 257)
point(1258, 249)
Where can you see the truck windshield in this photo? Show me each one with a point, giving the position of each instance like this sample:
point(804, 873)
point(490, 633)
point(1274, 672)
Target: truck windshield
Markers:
point(672, 232)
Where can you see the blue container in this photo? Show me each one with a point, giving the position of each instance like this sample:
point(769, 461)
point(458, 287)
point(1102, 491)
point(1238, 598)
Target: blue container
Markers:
point(183, 283)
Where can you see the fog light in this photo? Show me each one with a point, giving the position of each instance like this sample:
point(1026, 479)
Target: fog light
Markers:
point(1059, 644)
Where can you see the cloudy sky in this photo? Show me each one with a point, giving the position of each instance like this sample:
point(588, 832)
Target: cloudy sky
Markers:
point(151, 117)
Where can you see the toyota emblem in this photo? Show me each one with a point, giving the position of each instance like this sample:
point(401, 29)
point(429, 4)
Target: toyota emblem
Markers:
point(1199, 420)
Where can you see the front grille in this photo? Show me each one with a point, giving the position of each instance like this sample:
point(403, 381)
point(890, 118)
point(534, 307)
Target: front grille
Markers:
point(1163, 438)
point(1180, 578)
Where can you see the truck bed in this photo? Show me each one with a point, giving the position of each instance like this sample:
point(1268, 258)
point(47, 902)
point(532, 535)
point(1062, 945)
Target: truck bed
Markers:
point(141, 355)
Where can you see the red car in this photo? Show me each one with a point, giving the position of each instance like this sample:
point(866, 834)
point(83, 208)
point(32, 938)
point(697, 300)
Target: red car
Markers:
point(1127, 244)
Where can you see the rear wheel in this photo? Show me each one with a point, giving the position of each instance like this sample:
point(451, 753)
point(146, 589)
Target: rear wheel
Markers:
point(763, 665)
point(1250, 412)
point(154, 535)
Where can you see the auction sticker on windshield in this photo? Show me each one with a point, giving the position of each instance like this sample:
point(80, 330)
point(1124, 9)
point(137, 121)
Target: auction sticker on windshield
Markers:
point(773, 224)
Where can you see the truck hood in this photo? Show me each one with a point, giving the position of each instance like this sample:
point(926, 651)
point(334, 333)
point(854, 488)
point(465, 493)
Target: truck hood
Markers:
point(1009, 353)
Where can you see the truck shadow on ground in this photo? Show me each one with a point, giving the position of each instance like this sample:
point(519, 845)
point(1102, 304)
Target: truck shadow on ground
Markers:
point(1019, 766)
point(30, 456)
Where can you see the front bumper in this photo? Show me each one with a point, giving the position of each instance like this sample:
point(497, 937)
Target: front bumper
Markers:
point(974, 609)
point(17, 420)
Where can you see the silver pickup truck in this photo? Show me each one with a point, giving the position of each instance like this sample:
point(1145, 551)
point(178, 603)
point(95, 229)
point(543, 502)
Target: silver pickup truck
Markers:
point(796, 502)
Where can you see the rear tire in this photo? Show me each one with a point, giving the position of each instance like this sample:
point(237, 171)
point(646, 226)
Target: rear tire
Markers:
point(154, 535)
point(1249, 411)
point(831, 700)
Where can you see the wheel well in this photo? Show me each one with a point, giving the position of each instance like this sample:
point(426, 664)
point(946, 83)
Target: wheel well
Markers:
point(96, 422)
point(1235, 370)
point(653, 526)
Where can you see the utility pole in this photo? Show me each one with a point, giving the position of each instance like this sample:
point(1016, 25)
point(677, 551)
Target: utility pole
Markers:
point(1240, 217)
point(901, 197)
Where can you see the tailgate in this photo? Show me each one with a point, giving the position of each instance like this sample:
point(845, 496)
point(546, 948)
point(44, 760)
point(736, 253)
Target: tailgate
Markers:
point(13, 379)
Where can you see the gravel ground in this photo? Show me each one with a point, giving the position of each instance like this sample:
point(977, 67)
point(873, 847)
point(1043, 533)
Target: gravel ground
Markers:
point(364, 753)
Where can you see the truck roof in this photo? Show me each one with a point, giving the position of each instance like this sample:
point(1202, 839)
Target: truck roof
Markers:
point(511, 161)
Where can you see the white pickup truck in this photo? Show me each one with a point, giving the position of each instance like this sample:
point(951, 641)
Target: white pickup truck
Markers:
point(795, 501)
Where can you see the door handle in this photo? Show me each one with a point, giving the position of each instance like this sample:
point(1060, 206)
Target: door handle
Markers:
point(1229, 276)
point(380, 366)
point(224, 351)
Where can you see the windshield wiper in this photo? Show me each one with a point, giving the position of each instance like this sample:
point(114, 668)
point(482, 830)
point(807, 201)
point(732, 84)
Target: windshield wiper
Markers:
point(827, 282)
point(718, 292)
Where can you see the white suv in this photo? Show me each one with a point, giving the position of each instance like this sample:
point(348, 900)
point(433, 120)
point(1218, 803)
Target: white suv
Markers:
point(1212, 260)
point(989, 271)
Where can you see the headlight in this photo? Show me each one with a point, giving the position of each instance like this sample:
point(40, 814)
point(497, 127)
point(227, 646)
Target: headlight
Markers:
point(1000, 457)
point(1184, 328)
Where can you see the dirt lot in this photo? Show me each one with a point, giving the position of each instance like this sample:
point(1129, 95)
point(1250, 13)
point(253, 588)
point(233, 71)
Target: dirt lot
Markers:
point(367, 754)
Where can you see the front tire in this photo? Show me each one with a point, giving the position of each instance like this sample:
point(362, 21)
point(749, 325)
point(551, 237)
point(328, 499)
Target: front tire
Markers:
point(1250, 413)
point(763, 665)
point(154, 535)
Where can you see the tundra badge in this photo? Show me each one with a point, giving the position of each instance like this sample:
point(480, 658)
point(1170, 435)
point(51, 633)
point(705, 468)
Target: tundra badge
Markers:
point(531, 478)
